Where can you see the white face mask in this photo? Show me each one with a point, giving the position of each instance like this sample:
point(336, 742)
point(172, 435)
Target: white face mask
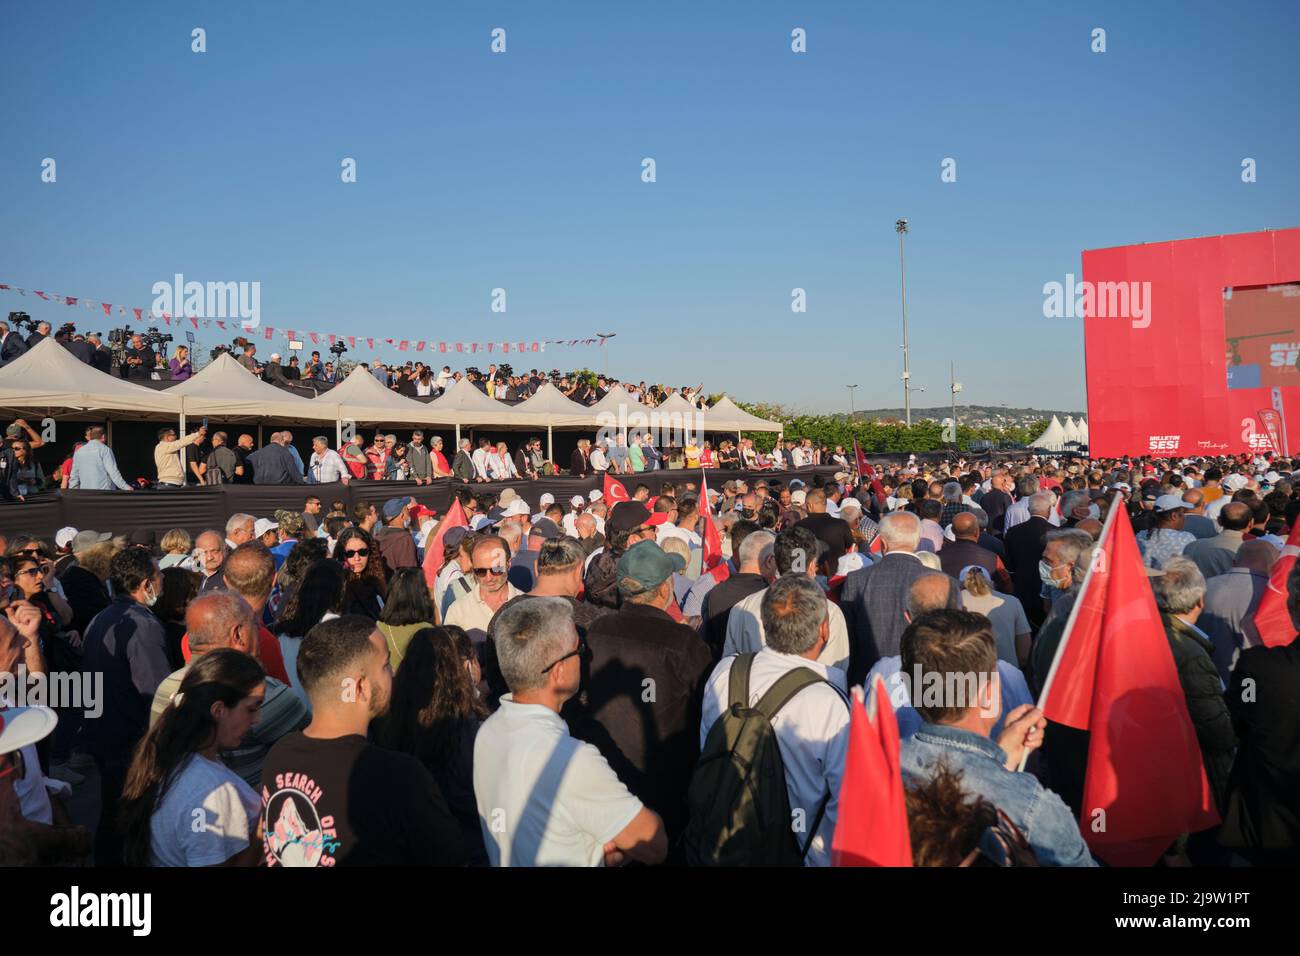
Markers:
point(150, 596)
point(1094, 512)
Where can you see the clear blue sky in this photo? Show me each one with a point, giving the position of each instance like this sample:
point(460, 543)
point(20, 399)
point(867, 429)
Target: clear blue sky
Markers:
point(522, 171)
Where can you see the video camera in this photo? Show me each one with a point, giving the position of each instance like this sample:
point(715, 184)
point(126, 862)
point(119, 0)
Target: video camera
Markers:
point(338, 348)
point(67, 328)
point(22, 320)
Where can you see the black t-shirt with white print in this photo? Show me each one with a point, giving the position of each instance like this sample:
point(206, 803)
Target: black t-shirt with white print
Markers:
point(346, 802)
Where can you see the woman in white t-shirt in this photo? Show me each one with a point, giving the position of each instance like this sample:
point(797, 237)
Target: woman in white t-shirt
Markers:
point(181, 805)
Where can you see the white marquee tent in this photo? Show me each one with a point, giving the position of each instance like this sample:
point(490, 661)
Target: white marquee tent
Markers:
point(52, 380)
point(1052, 438)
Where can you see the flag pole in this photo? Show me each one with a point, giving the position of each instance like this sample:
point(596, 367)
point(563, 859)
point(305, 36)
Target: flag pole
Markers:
point(1074, 614)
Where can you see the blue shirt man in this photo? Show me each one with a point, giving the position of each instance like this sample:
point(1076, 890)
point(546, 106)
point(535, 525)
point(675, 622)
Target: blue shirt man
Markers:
point(1015, 692)
point(93, 466)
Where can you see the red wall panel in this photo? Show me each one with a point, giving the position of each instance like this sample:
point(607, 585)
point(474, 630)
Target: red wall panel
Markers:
point(1170, 377)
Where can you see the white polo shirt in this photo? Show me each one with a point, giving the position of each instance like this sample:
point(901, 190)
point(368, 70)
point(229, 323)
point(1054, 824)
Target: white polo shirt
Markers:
point(812, 733)
point(544, 798)
point(745, 636)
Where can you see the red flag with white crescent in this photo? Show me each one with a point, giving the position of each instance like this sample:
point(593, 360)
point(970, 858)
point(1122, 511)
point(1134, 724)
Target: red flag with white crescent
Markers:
point(1272, 619)
point(714, 562)
point(614, 491)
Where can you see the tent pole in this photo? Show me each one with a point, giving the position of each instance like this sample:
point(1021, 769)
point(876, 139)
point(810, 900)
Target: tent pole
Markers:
point(550, 449)
point(183, 433)
point(259, 434)
point(108, 431)
point(457, 437)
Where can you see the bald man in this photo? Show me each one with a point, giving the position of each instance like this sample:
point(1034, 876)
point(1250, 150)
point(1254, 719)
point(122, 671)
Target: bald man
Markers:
point(965, 550)
point(933, 591)
point(223, 619)
point(1215, 555)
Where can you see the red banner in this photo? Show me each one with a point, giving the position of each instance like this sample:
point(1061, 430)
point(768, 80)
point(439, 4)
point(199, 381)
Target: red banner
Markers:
point(1217, 330)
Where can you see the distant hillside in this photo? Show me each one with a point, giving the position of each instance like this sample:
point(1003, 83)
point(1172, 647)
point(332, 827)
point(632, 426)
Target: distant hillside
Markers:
point(976, 416)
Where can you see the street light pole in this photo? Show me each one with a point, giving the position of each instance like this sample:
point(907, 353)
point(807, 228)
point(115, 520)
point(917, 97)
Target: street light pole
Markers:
point(604, 340)
point(956, 387)
point(901, 228)
point(852, 411)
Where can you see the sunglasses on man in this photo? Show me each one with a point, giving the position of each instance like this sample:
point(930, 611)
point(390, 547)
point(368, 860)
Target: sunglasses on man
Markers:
point(495, 571)
point(576, 652)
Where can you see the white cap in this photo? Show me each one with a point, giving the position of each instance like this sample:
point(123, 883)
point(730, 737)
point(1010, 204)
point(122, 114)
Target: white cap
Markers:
point(516, 508)
point(594, 494)
point(480, 521)
point(262, 525)
point(546, 499)
point(577, 501)
point(63, 537)
point(275, 356)
point(20, 726)
point(1234, 482)
point(1170, 502)
point(798, 496)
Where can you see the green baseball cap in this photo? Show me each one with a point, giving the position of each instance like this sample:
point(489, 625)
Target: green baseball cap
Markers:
point(648, 565)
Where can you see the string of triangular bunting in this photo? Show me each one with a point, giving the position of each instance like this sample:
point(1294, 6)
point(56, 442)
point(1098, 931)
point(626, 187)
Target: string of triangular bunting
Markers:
point(317, 338)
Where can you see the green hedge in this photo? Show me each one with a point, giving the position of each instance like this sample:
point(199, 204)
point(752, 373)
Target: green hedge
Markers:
point(879, 437)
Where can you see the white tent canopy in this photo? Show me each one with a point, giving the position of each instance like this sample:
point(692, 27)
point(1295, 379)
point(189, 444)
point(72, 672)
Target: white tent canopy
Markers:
point(49, 377)
point(1071, 429)
point(1052, 438)
point(1083, 431)
point(549, 406)
point(727, 416)
point(227, 390)
point(361, 398)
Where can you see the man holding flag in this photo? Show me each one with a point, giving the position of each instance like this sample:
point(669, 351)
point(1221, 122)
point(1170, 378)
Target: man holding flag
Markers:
point(951, 657)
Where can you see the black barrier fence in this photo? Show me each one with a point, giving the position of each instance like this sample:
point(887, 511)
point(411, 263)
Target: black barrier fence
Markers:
point(199, 507)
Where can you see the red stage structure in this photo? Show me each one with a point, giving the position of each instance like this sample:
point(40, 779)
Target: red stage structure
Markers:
point(1187, 342)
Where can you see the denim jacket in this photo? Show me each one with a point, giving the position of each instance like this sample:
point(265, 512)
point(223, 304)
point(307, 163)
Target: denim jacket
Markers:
point(1040, 814)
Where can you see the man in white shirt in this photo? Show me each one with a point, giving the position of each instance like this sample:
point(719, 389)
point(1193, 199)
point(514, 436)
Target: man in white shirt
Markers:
point(545, 798)
point(1019, 512)
point(473, 611)
point(599, 460)
point(576, 504)
point(480, 459)
point(812, 730)
point(326, 465)
point(794, 553)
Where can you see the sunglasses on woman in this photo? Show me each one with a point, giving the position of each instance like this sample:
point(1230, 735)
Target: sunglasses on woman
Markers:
point(358, 553)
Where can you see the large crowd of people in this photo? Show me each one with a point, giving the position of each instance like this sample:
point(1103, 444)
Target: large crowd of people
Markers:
point(558, 683)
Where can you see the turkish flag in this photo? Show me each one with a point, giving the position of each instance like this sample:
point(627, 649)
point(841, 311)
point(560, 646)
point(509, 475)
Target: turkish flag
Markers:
point(455, 518)
point(1114, 676)
point(614, 491)
point(713, 561)
point(867, 473)
point(108, 307)
point(1272, 619)
point(871, 826)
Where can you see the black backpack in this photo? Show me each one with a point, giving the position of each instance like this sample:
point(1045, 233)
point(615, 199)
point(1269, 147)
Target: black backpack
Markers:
point(738, 801)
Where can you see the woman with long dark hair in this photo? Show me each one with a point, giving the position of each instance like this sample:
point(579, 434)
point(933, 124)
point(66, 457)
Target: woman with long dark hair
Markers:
point(318, 595)
point(407, 609)
point(366, 586)
point(181, 805)
point(434, 715)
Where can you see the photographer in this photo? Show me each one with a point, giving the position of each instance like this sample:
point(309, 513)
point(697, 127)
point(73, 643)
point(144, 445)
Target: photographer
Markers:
point(139, 360)
point(314, 368)
point(12, 345)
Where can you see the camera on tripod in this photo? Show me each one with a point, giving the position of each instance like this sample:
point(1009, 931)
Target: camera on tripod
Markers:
point(338, 348)
point(67, 328)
